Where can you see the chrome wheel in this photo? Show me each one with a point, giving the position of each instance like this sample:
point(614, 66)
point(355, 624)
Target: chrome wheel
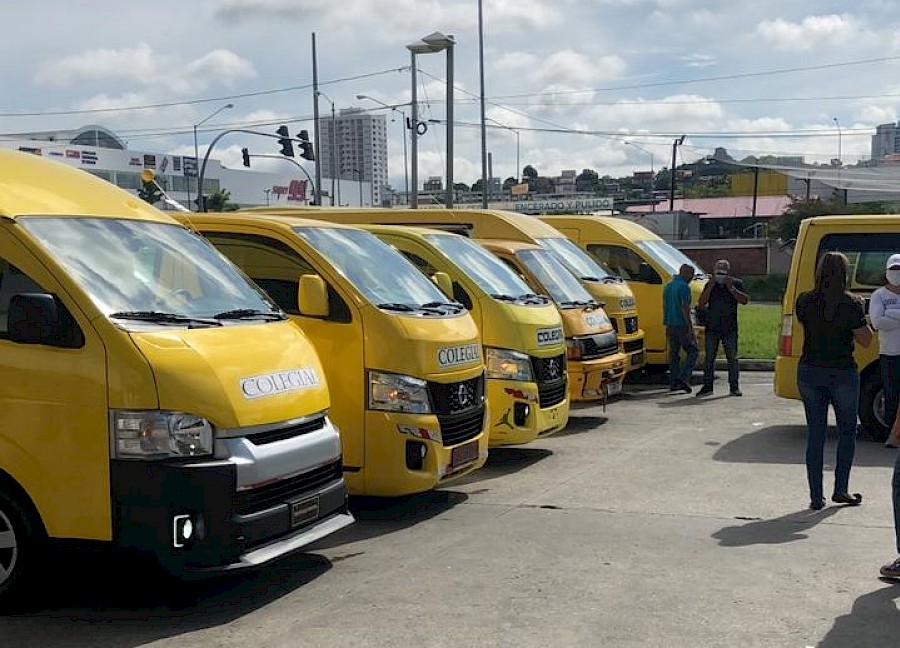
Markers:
point(9, 548)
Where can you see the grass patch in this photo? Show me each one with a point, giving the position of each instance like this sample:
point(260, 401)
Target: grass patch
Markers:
point(759, 326)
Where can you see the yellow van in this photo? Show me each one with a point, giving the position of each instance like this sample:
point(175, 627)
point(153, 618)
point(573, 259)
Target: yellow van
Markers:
point(524, 344)
point(643, 259)
point(616, 297)
point(150, 396)
point(596, 366)
point(867, 241)
point(404, 364)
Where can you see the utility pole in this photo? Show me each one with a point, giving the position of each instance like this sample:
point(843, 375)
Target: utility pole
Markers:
point(315, 71)
point(678, 142)
point(484, 163)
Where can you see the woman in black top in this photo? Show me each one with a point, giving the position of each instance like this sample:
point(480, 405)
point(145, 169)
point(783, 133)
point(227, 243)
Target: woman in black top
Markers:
point(832, 320)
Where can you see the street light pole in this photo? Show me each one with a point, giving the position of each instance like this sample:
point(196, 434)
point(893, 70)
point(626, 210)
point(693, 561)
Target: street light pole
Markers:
point(403, 130)
point(333, 155)
point(438, 42)
point(360, 182)
point(314, 192)
point(484, 165)
point(840, 159)
point(675, 144)
point(197, 151)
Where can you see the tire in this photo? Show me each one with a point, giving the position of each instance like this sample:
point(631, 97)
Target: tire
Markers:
point(19, 551)
point(871, 407)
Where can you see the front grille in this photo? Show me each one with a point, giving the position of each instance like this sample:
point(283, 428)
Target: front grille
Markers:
point(550, 374)
point(289, 432)
point(633, 345)
point(598, 346)
point(461, 427)
point(457, 397)
point(286, 490)
point(631, 324)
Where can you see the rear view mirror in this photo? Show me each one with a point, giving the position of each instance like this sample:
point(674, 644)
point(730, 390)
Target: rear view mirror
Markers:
point(646, 274)
point(38, 318)
point(442, 280)
point(312, 296)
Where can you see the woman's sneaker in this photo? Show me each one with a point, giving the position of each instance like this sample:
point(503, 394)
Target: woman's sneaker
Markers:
point(891, 570)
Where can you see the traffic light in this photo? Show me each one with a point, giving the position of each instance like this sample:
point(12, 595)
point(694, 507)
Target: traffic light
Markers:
point(287, 148)
point(306, 146)
point(246, 154)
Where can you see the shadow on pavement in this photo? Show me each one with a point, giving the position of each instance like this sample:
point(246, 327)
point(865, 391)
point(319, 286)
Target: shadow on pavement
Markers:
point(580, 425)
point(787, 528)
point(505, 461)
point(786, 444)
point(379, 516)
point(873, 621)
point(97, 598)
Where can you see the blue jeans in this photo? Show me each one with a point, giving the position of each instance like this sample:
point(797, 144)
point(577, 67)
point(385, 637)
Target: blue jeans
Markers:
point(729, 340)
point(679, 338)
point(819, 387)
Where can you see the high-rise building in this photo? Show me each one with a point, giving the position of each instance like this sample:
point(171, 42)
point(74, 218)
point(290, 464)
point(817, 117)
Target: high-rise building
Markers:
point(885, 141)
point(355, 143)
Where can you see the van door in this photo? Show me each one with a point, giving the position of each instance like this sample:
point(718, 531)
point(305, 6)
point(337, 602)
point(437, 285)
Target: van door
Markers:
point(276, 267)
point(54, 416)
point(646, 284)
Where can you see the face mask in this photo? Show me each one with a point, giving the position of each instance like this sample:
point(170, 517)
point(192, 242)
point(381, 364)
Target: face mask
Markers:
point(893, 277)
point(720, 277)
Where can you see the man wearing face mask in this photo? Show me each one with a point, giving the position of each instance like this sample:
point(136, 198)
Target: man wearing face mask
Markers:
point(884, 311)
point(721, 298)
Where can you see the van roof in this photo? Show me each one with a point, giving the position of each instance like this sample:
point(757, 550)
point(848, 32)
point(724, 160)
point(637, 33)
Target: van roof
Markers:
point(256, 217)
point(504, 224)
point(851, 219)
point(412, 232)
point(623, 227)
point(31, 185)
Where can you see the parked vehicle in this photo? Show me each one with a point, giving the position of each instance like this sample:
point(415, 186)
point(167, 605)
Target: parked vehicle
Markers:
point(403, 362)
point(867, 241)
point(150, 396)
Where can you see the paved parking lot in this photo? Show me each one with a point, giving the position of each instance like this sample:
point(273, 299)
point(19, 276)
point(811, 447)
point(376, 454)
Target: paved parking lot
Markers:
point(665, 521)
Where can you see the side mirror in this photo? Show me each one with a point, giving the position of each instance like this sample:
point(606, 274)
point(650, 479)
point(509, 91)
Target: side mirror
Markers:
point(442, 280)
point(312, 296)
point(33, 318)
point(646, 274)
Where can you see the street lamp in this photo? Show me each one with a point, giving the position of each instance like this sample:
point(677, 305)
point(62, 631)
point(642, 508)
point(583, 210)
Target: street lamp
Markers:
point(361, 97)
point(838, 124)
point(430, 44)
point(333, 147)
point(675, 144)
point(197, 149)
point(359, 179)
point(652, 173)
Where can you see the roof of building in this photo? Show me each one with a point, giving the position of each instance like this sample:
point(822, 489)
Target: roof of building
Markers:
point(730, 207)
point(91, 135)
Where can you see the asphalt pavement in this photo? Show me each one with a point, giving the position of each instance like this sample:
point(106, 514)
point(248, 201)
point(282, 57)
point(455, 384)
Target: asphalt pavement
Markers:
point(666, 520)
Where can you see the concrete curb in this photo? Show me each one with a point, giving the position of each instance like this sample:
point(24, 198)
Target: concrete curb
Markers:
point(748, 365)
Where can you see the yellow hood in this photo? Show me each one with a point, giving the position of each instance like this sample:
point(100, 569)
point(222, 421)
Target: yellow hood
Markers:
point(536, 330)
point(236, 376)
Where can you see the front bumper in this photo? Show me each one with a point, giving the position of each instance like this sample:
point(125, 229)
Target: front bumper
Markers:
point(517, 417)
point(588, 378)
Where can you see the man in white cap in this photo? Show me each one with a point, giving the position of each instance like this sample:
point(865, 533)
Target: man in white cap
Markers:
point(884, 311)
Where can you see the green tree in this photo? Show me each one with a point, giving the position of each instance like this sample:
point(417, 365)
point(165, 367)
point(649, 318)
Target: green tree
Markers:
point(149, 192)
point(509, 183)
point(218, 201)
point(476, 186)
point(787, 225)
point(587, 181)
point(529, 173)
point(460, 186)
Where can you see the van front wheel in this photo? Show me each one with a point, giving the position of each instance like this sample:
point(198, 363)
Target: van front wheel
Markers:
point(871, 407)
point(18, 550)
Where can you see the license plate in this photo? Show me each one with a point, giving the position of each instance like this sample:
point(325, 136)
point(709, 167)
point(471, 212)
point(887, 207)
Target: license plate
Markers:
point(614, 388)
point(463, 454)
point(304, 511)
point(637, 358)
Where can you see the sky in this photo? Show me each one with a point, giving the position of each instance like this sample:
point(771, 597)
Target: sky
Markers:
point(569, 84)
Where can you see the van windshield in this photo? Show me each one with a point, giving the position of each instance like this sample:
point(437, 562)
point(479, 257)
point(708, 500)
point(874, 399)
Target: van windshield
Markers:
point(150, 272)
point(555, 278)
point(383, 276)
point(669, 257)
point(486, 270)
point(575, 259)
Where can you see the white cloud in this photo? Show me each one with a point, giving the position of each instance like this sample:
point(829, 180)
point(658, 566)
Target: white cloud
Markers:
point(130, 63)
point(568, 67)
point(515, 62)
point(877, 114)
point(812, 32)
point(699, 60)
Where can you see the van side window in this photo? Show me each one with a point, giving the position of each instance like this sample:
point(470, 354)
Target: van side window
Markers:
point(621, 260)
point(15, 282)
point(867, 253)
point(276, 268)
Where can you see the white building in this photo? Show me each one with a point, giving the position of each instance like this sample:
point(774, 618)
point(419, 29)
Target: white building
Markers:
point(102, 153)
point(885, 141)
point(356, 144)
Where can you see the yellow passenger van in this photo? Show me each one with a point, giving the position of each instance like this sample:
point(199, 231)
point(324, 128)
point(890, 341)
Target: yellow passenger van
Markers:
point(524, 344)
point(404, 363)
point(611, 292)
point(646, 261)
point(150, 396)
point(596, 367)
point(867, 241)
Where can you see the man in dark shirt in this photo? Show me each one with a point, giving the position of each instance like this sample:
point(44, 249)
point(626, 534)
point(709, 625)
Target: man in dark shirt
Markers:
point(721, 297)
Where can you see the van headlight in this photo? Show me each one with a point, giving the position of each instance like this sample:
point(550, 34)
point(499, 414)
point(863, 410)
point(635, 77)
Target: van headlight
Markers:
point(398, 393)
point(158, 434)
point(507, 365)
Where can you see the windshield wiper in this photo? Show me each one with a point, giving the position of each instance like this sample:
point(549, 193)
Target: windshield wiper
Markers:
point(589, 278)
point(163, 318)
point(533, 298)
point(500, 297)
point(248, 313)
point(577, 302)
point(397, 306)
